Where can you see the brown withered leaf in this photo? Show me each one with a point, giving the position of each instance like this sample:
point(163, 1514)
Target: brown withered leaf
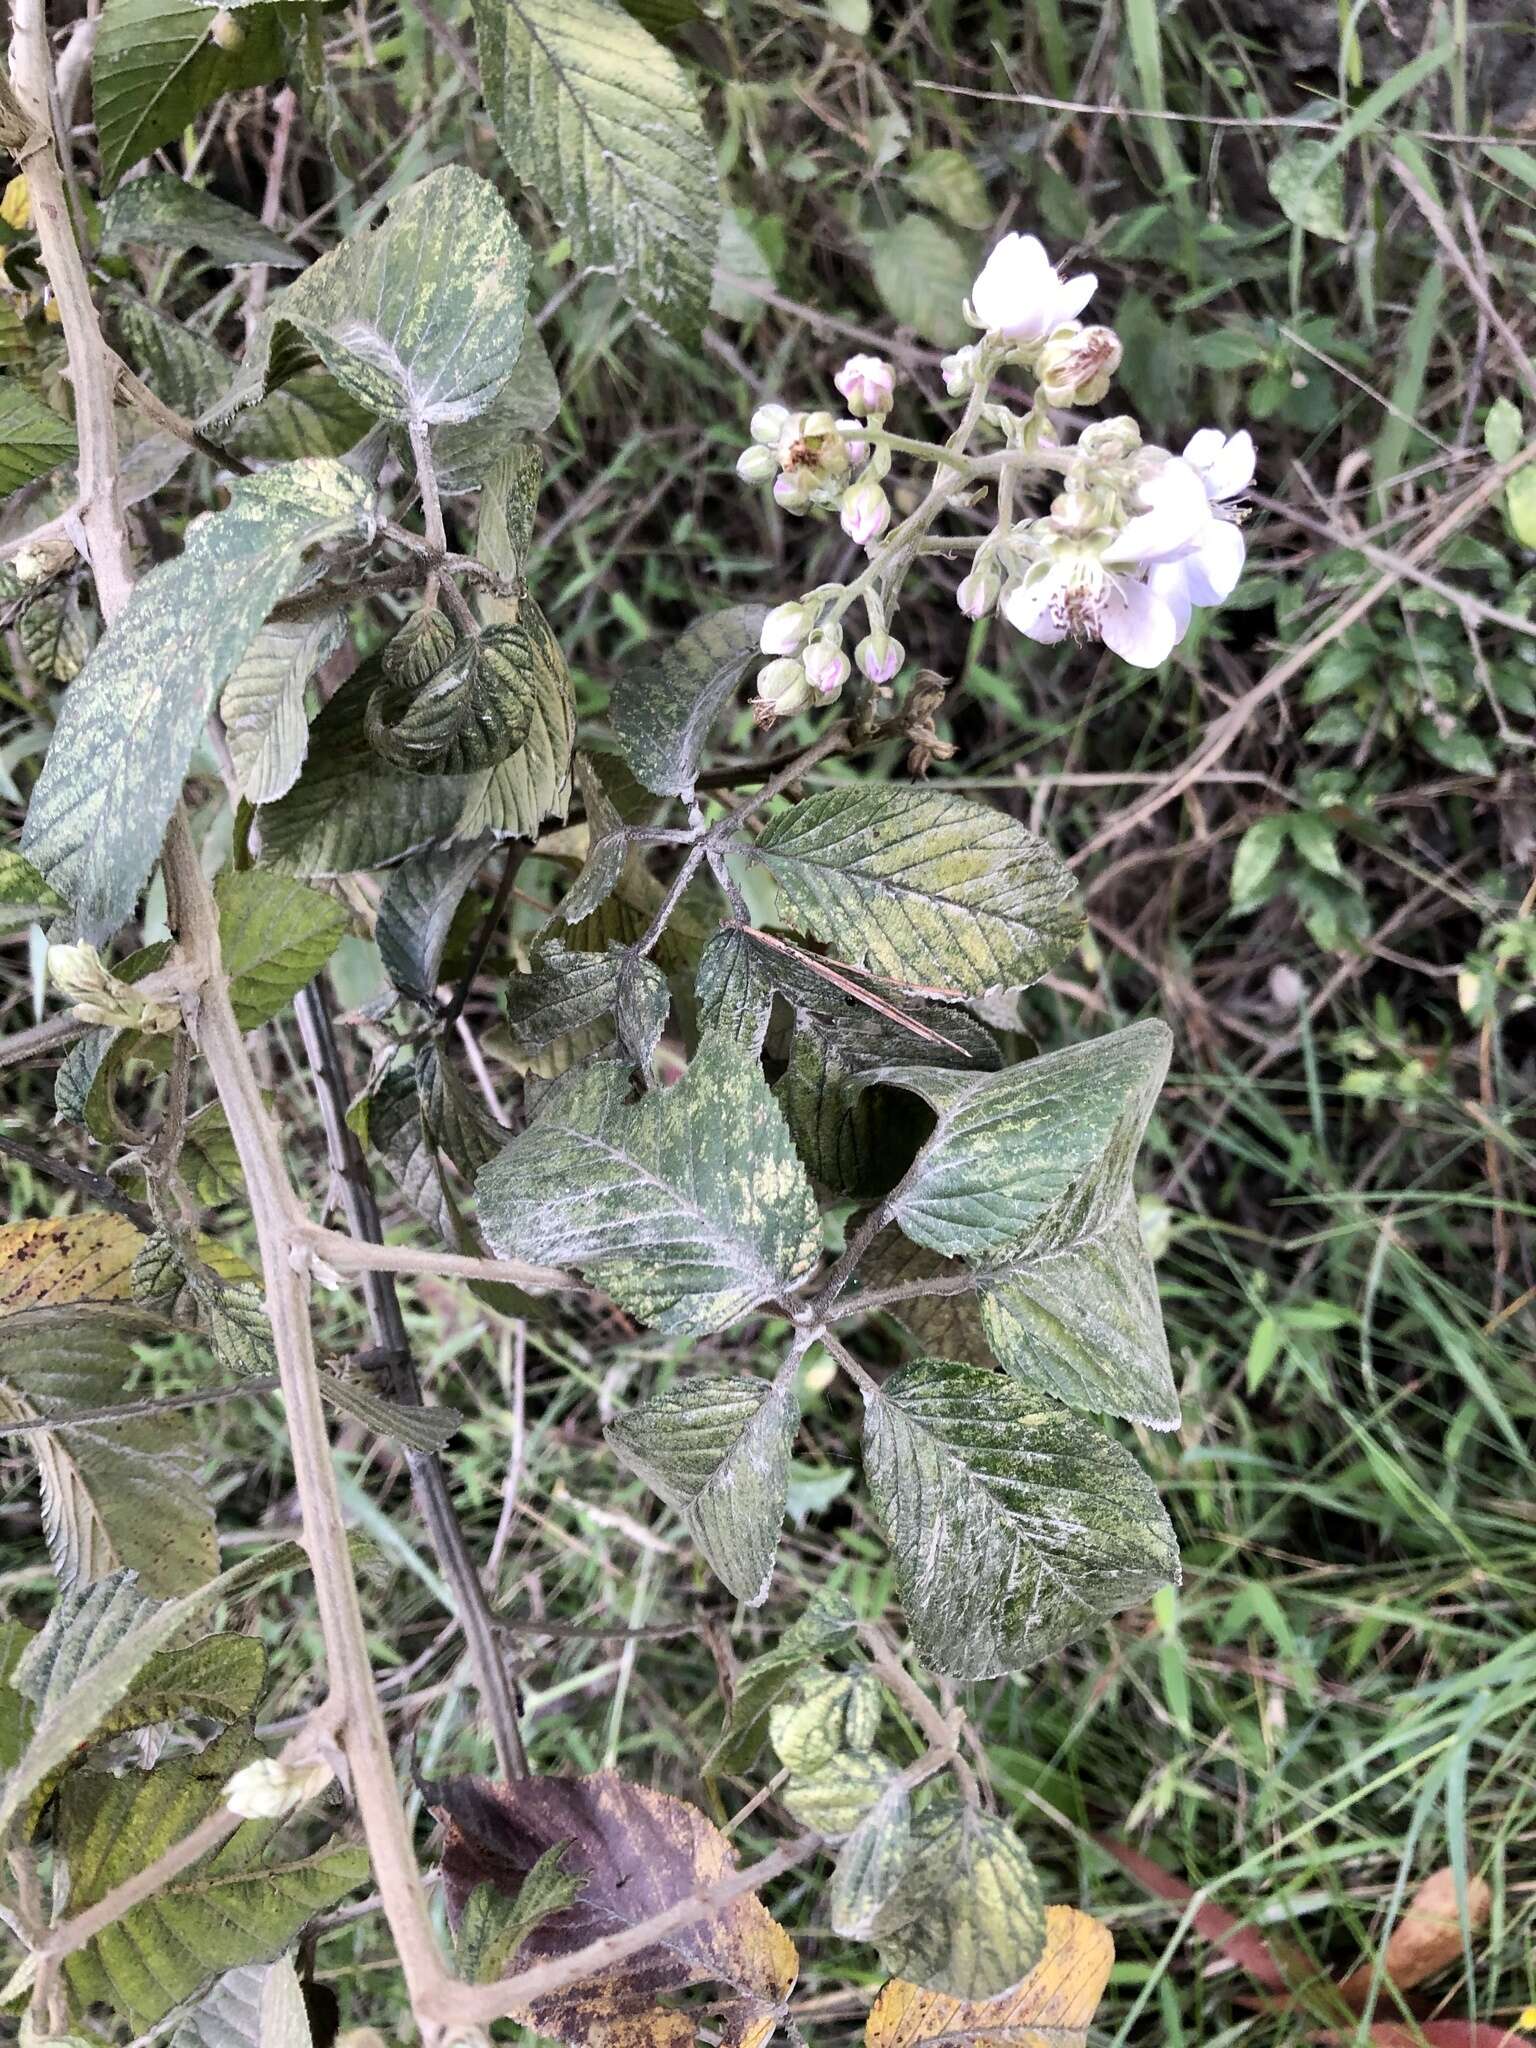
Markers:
point(1426, 1940)
point(639, 1853)
point(66, 1259)
point(1052, 2008)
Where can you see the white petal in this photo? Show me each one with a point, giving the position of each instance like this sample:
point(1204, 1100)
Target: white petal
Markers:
point(1073, 294)
point(1212, 571)
point(1027, 607)
point(1232, 470)
point(1014, 287)
point(1170, 582)
point(1178, 514)
point(1138, 626)
point(1202, 450)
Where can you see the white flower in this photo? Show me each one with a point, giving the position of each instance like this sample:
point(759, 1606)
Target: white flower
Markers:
point(826, 668)
point(865, 513)
point(1021, 294)
point(1072, 591)
point(1192, 547)
point(785, 628)
point(1224, 462)
point(268, 1789)
point(868, 384)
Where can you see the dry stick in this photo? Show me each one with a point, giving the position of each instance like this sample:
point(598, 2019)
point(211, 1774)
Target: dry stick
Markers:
point(429, 1482)
point(1440, 228)
point(1224, 732)
point(94, 1186)
point(348, 1255)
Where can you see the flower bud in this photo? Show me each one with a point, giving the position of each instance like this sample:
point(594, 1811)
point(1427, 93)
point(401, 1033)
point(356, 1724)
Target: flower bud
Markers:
point(958, 371)
point(755, 465)
point(1077, 363)
point(794, 490)
point(768, 424)
point(868, 384)
point(879, 656)
point(42, 559)
point(857, 451)
point(226, 31)
point(1109, 440)
point(865, 513)
point(98, 996)
point(979, 592)
point(786, 628)
point(269, 1789)
point(782, 690)
point(826, 668)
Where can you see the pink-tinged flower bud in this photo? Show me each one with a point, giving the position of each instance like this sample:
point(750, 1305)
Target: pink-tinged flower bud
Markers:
point(879, 657)
point(768, 424)
point(979, 592)
point(958, 371)
point(826, 668)
point(794, 490)
point(868, 384)
point(782, 690)
point(857, 451)
point(865, 513)
point(786, 628)
point(755, 465)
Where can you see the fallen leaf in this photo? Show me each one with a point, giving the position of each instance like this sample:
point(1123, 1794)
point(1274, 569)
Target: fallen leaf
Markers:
point(1052, 2008)
point(638, 1852)
point(1274, 1968)
point(67, 1259)
point(1423, 2034)
point(1426, 1940)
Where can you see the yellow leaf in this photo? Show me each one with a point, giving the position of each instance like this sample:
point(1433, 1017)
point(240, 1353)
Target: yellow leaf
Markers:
point(16, 206)
point(68, 1258)
point(1052, 2008)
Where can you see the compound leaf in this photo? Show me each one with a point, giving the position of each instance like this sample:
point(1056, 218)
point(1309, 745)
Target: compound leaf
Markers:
point(1013, 1531)
point(923, 886)
point(717, 1450)
point(663, 712)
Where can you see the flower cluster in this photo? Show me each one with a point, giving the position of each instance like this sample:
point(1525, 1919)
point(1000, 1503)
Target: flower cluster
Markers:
point(1133, 539)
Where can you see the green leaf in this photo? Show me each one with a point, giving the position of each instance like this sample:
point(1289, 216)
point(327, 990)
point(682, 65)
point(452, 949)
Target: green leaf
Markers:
point(966, 1918)
point(1503, 430)
point(25, 898)
point(663, 713)
point(455, 1116)
point(1258, 851)
point(493, 1926)
point(1306, 182)
point(165, 212)
point(598, 119)
point(33, 438)
point(811, 1728)
point(125, 736)
point(827, 1621)
point(567, 991)
point(924, 277)
point(420, 319)
point(229, 1909)
point(416, 914)
point(417, 1429)
point(474, 710)
point(274, 935)
point(262, 704)
point(947, 1323)
point(870, 1865)
point(15, 1714)
point(950, 183)
point(842, 1129)
point(156, 66)
point(126, 1492)
point(743, 273)
point(1013, 1531)
point(717, 1450)
point(923, 886)
point(836, 1799)
point(1520, 504)
point(466, 455)
point(689, 1208)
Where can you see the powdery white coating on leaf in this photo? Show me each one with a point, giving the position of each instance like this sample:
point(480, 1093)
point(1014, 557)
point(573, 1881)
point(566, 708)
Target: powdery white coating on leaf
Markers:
point(689, 1208)
point(165, 212)
point(598, 119)
point(663, 711)
point(125, 737)
point(926, 887)
point(717, 1450)
point(262, 704)
point(966, 1917)
point(1052, 2008)
point(1014, 1531)
point(420, 319)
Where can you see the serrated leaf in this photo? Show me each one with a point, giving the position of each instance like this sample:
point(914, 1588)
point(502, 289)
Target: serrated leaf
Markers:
point(53, 636)
point(156, 65)
point(870, 1864)
point(1306, 182)
point(88, 1257)
point(25, 898)
point(966, 1917)
point(836, 1799)
point(229, 1909)
point(842, 1130)
point(454, 1116)
point(282, 2018)
point(262, 704)
point(1013, 1531)
point(946, 1324)
point(1053, 2007)
point(420, 319)
point(274, 936)
point(717, 1450)
point(564, 992)
point(493, 1927)
point(924, 275)
point(416, 914)
point(827, 1620)
point(1007, 1147)
point(124, 1492)
point(417, 1429)
point(33, 438)
point(923, 886)
point(473, 711)
point(637, 1852)
point(466, 456)
point(663, 712)
point(810, 1728)
point(396, 1132)
point(597, 118)
point(508, 505)
point(950, 183)
point(689, 1208)
point(165, 212)
point(228, 2014)
point(125, 736)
